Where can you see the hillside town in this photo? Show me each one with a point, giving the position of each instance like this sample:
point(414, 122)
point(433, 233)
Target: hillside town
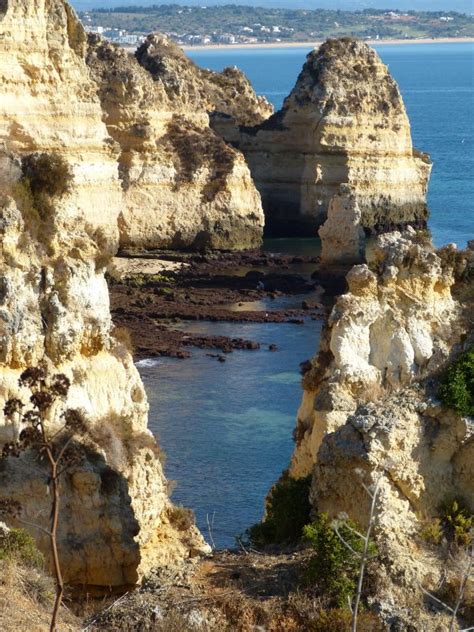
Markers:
point(224, 25)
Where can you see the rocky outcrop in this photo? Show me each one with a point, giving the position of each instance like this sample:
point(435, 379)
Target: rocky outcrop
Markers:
point(228, 94)
point(60, 197)
point(342, 236)
point(183, 186)
point(344, 122)
point(370, 411)
point(46, 91)
point(397, 322)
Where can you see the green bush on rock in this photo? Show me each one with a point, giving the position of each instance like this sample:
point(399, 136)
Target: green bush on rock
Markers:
point(334, 568)
point(18, 544)
point(457, 387)
point(287, 512)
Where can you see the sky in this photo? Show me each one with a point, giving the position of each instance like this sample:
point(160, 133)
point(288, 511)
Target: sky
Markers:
point(466, 6)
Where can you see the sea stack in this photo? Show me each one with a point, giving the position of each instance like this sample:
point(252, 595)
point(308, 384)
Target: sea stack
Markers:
point(343, 123)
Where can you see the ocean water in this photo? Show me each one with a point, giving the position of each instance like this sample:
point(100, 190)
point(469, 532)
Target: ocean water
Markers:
point(437, 84)
point(226, 428)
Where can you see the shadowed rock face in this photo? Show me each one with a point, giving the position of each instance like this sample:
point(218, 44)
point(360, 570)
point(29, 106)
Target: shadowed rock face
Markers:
point(344, 122)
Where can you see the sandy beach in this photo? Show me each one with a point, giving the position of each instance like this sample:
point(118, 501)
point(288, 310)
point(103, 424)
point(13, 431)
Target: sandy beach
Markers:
point(314, 44)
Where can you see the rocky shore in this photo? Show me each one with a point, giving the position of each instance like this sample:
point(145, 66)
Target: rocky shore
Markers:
point(231, 287)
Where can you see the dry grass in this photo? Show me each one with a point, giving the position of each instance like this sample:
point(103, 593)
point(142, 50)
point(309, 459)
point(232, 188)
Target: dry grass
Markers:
point(26, 598)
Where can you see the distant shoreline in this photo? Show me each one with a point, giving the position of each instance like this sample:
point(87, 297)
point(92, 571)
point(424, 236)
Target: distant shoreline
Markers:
point(397, 42)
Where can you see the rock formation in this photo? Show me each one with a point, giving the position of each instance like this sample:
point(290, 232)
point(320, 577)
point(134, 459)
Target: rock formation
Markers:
point(228, 93)
point(60, 197)
point(344, 122)
point(370, 408)
point(183, 186)
point(342, 236)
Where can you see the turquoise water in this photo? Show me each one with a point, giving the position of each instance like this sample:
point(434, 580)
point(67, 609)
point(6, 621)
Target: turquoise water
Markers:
point(437, 84)
point(227, 427)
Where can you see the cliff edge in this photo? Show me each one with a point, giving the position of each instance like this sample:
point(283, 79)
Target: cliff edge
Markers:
point(60, 198)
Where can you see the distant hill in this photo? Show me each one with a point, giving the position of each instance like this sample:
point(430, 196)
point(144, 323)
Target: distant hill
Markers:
point(237, 24)
point(465, 6)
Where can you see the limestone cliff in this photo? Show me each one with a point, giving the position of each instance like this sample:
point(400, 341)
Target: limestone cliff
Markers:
point(344, 122)
point(183, 186)
point(370, 408)
point(60, 197)
point(228, 93)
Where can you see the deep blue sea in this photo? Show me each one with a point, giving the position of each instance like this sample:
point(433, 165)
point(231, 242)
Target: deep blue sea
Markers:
point(226, 428)
point(437, 84)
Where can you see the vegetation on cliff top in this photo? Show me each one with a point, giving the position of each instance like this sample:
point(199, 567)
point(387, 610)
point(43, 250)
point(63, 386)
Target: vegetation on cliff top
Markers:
point(287, 512)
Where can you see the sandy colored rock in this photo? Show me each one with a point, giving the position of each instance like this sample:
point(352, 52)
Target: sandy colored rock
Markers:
point(46, 91)
point(228, 93)
point(183, 186)
point(54, 311)
point(342, 236)
point(344, 122)
point(370, 411)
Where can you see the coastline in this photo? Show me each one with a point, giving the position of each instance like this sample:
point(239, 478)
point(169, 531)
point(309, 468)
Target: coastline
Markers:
point(314, 44)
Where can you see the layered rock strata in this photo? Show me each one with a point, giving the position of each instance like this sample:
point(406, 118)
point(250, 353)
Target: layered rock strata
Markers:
point(55, 241)
point(344, 122)
point(183, 186)
point(370, 411)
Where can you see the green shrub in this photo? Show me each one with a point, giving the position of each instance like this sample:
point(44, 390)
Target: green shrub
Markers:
point(47, 173)
point(458, 522)
point(457, 387)
point(334, 568)
point(18, 544)
point(287, 512)
point(432, 532)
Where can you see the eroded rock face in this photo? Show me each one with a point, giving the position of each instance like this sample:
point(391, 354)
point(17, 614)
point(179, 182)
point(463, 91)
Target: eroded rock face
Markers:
point(183, 186)
point(54, 311)
point(228, 93)
point(45, 91)
point(342, 236)
point(397, 322)
point(369, 410)
point(344, 122)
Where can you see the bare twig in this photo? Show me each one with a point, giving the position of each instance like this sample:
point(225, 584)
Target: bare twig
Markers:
point(210, 526)
point(239, 540)
point(365, 553)
point(462, 588)
point(431, 596)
